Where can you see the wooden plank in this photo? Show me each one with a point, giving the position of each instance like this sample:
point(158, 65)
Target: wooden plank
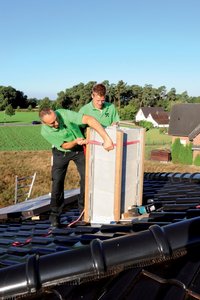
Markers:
point(87, 178)
point(141, 171)
point(118, 175)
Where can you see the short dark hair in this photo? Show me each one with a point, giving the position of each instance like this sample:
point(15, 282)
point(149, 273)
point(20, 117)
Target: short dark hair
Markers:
point(100, 89)
point(45, 111)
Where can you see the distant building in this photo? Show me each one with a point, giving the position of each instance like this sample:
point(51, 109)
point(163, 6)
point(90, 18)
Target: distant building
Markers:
point(185, 124)
point(156, 115)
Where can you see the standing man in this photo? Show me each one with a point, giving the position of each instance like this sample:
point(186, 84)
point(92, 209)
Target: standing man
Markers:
point(61, 129)
point(104, 112)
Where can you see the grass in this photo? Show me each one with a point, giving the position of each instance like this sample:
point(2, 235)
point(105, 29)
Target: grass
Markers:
point(24, 151)
point(19, 117)
point(18, 138)
point(25, 163)
point(154, 137)
point(155, 140)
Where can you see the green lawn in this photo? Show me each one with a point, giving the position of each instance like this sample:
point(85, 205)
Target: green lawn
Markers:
point(155, 140)
point(21, 137)
point(154, 137)
point(19, 117)
point(17, 138)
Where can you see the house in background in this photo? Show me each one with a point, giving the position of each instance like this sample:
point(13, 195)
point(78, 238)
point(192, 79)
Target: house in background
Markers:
point(185, 124)
point(156, 115)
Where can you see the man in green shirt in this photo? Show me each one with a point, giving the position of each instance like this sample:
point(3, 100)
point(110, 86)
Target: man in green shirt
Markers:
point(61, 129)
point(104, 112)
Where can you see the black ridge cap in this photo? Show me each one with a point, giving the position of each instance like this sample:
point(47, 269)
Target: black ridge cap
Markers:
point(147, 247)
point(173, 176)
point(185, 176)
point(195, 177)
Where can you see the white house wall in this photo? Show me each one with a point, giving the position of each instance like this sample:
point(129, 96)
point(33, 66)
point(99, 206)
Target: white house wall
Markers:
point(150, 119)
point(140, 116)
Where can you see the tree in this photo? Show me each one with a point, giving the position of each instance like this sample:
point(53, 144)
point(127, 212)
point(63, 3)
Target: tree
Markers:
point(183, 98)
point(149, 96)
point(119, 90)
point(45, 103)
point(29, 108)
point(9, 110)
point(65, 102)
point(128, 111)
point(171, 98)
point(9, 95)
point(32, 102)
point(111, 94)
point(176, 150)
point(161, 96)
point(146, 124)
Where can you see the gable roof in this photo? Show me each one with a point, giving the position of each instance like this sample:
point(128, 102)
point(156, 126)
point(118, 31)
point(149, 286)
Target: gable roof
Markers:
point(194, 133)
point(161, 117)
point(184, 118)
point(154, 256)
point(149, 110)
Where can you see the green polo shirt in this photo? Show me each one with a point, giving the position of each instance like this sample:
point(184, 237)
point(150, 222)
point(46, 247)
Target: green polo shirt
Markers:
point(69, 130)
point(106, 116)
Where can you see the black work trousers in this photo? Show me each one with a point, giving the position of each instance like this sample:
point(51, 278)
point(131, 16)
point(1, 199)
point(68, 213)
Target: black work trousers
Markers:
point(59, 168)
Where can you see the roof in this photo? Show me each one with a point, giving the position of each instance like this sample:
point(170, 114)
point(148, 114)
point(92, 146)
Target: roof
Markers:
point(155, 255)
point(149, 110)
point(194, 133)
point(161, 117)
point(184, 118)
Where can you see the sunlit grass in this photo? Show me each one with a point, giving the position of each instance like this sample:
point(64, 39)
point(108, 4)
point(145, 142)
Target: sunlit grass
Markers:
point(19, 117)
point(17, 138)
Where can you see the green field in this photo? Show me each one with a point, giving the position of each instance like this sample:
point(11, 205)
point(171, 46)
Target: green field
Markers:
point(21, 137)
point(19, 117)
point(154, 137)
point(17, 138)
point(155, 140)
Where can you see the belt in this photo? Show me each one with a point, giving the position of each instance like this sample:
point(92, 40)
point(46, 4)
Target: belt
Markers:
point(74, 150)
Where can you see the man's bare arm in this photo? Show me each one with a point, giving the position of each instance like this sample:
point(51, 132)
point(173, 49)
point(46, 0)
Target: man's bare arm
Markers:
point(93, 123)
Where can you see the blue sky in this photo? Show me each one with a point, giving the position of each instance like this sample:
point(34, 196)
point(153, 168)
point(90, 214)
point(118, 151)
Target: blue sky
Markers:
point(47, 46)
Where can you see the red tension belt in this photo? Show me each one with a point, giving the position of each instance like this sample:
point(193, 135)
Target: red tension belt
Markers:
point(92, 142)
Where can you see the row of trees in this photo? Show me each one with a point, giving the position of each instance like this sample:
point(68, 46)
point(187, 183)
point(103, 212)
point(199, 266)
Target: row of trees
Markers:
point(183, 154)
point(15, 98)
point(127, 98)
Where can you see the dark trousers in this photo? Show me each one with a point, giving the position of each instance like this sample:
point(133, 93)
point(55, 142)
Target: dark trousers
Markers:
point(60, 164)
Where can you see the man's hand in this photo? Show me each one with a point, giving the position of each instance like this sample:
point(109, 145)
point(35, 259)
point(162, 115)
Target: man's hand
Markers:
point(108, 144)
point(115, 124)
point(81, 141)
point(92, 122)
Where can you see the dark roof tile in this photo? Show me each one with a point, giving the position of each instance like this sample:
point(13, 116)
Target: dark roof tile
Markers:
point(149, 110)
point(161, 118)
point(150, 257)
point(184, 118)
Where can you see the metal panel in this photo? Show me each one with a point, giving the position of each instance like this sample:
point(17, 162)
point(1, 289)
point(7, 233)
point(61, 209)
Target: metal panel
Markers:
point(33, 207)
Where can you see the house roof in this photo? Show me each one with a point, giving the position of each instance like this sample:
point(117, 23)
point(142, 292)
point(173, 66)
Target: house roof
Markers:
point(194, 133)
point(149, 110)
point(161, 117)
point(184, 118)
point(154, 255)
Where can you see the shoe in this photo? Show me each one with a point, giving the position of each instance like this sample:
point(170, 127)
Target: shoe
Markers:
point(55, 221)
